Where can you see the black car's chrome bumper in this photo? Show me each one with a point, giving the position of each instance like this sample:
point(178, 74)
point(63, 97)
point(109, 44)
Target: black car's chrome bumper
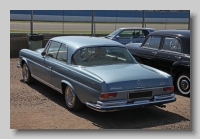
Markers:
point(123, 104)
point(18, 64)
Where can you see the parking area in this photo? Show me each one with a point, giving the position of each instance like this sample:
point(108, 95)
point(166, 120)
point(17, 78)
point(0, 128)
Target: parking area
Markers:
point(37, 106)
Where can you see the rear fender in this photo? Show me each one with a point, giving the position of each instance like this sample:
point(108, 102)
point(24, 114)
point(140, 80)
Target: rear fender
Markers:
point(66, 83)
point(178, 67)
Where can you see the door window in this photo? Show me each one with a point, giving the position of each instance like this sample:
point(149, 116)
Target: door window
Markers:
point(153, 42)
point(136, 34)
point(132, 34)
point(126, 34)
point(172, 44)
point(53, 49)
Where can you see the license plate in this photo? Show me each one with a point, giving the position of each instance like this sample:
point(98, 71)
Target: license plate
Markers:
point(140, 94)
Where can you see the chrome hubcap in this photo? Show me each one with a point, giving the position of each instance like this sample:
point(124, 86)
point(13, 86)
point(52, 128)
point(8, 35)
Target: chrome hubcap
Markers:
point(184, 84)
point(25, 72)
point(69, 97)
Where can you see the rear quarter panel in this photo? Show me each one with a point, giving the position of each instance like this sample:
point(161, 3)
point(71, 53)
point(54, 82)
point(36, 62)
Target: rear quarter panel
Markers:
point(87, 87)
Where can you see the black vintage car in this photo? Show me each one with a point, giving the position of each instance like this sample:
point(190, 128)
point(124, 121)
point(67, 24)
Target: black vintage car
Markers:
point(168, 50)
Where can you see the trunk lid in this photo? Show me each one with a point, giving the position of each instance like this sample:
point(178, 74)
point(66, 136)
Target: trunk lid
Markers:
point(130, 76)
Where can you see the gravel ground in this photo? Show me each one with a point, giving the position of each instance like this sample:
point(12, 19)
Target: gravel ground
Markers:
point(37, 106)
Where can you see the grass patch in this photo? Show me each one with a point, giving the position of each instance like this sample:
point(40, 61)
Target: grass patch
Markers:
point(61, 32)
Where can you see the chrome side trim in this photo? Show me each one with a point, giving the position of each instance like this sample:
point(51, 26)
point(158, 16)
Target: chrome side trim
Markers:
point(124, 104)
point(55, 88)
point(140, 87)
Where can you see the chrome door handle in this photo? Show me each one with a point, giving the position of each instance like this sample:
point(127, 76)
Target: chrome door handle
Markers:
point(154, 52)
point(178, 57)
point(49, 67)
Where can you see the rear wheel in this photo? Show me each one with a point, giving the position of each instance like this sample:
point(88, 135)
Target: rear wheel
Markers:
point(26, 74)
point(183, 84)
point(71, 100)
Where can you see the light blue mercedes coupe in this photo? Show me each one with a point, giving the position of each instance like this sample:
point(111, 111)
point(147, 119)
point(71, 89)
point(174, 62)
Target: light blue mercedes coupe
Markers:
point(96, 72)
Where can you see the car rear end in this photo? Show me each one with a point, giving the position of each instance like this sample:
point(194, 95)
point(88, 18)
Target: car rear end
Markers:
point(125, 90)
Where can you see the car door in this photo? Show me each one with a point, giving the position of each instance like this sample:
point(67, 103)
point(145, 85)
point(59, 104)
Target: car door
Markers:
point(39, 63)
point(147, 52)
point(50, 58)
point(169, 53)
point(126, 36)
point(60, 67)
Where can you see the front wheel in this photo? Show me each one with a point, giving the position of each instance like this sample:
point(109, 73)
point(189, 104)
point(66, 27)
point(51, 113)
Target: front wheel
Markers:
point(183, 84)
point(72, 101)
point(26, 74)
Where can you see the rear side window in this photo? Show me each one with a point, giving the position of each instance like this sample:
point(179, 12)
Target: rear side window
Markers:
point(152, 42)
point(171, 44)
point(62, 53)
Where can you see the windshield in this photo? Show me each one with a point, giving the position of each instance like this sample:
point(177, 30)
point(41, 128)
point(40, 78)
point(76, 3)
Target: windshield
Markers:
point(114, 33)
point(92, 56)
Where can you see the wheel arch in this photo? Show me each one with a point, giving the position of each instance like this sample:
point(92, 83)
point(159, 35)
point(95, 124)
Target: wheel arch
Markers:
point(24, 60)
point(179, 67)
point(64, 84)
point(175, 73)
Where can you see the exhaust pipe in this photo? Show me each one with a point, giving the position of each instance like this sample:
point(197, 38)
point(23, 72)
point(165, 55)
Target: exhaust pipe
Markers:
point(161, 106)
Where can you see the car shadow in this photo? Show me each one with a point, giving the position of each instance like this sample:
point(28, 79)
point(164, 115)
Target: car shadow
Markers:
point(137, 118)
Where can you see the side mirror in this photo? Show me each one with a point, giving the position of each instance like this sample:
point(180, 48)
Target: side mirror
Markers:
point(117, 37)
point(43, 53)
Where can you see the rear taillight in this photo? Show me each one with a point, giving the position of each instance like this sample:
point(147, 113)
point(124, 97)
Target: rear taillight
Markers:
point(170, 88)
point(107, 95)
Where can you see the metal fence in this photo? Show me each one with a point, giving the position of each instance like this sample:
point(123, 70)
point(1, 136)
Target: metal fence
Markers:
point(93, 22)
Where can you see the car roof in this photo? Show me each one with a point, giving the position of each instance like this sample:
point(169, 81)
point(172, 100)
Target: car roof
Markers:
point(74, 43)
point(84, 41)
point(184, 36)
point(181, 33)
point(137, 28)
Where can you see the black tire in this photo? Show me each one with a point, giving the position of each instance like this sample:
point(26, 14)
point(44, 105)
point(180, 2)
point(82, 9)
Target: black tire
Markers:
point(26, 74)
point(72, 101)
point(183, 84)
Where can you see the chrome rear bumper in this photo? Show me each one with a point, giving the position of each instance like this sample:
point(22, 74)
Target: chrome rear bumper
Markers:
point(123, 104)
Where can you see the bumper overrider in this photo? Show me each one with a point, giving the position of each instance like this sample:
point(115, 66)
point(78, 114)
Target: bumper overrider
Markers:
point(18, 64)
point(123, 104)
